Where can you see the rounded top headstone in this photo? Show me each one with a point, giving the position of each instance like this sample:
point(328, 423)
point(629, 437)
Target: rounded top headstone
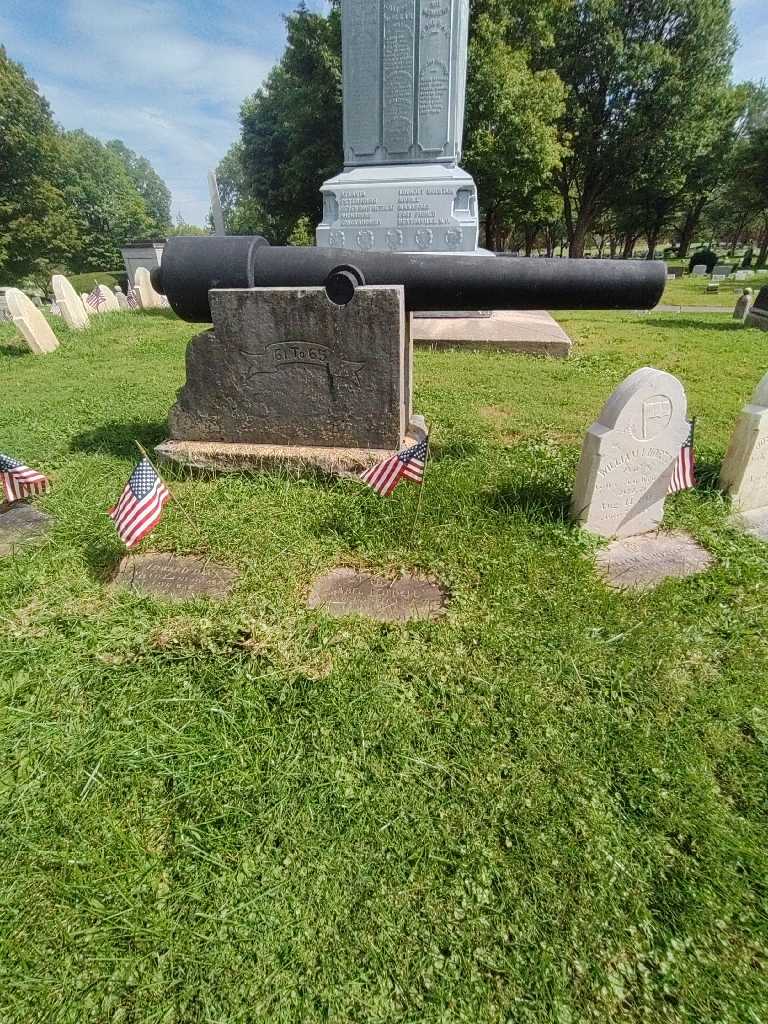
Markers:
point(71, 305)
point(30, 322)
point(645, 404)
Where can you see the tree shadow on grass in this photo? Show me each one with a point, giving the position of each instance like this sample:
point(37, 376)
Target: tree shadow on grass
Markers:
point(696, 323)
point(14, 350)
point(119, 438)
point(539, 501)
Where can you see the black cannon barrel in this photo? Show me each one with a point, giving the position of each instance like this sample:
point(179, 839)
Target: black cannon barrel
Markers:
point(432, 281)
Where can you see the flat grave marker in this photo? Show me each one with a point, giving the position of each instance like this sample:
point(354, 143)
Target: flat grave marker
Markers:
point(346, 591)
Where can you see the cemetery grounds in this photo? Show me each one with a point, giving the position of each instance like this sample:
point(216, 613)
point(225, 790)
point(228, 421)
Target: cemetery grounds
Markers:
point(548, 806)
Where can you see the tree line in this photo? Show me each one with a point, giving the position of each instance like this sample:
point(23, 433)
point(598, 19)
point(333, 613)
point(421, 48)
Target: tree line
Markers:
point(588, 122)
point(66, 199)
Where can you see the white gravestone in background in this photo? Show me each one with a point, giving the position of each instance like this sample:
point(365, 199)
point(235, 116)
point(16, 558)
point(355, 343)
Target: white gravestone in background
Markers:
point(629, 456)
point(122, 299)
point(110, 304)
point(744, 473)
point(404, 76)
point(69, 302)
point(30, 323)
point(147, 296)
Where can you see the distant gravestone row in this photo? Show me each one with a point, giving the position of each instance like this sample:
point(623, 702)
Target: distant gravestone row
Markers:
point(75, 310)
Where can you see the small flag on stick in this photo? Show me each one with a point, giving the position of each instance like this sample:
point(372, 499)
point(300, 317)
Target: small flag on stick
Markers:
point(95, 299)
point(19, 480)
point(684, 476)
point(141, 504)
point(406, 465)
point(131, 296)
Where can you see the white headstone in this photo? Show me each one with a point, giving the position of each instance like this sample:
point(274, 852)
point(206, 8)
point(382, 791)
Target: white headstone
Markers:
point(629, 456)
point(744, 473)
point(146, 294)
point(110, 304)
point(699, 270)
point(743, 304)
point(30, 323)
point(122, 299)
point(69, 302)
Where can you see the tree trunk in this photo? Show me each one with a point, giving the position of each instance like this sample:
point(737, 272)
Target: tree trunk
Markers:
point(530, 238)
point(629, 246)
point(763, 254)
point(652, 237)
point(691, 222)
point(613, 244)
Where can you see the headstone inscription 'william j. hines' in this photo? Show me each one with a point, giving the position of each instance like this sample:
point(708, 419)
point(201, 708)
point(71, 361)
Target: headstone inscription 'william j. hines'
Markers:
point(289, 367)
point(744, 473)
point(405, 69)
point(629, 456)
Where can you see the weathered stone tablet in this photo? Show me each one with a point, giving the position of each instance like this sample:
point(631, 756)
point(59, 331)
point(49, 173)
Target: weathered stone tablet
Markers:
point(176, 577)
point(110, 304)
point(347, 592)
point(744, 473)
point(69, 302)
point(287, 366)
point(122, 298)
point(641, 563)
point(147, 297)
point(629, 456)
point(30, 323)
point(20, 524)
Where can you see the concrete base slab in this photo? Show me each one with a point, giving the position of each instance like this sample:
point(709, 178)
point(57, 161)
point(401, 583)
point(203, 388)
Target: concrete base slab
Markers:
point(534, 332)
point(643, 562)
point(21, 524)
point(222, 457)
point(754, 523)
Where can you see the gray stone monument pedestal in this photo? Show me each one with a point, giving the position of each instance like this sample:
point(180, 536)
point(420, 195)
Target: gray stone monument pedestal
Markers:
point(288, 376)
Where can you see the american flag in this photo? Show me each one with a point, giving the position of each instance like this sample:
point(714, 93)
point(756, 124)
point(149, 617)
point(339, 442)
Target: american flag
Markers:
point(406, 465)
point(131, 296)
point(140, 507)
point(95, 299)
point(19, 480)
point(684, 476)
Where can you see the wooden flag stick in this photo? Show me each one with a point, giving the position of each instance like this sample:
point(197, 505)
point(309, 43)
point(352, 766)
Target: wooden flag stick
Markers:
point(422, 485)
point(175, 500)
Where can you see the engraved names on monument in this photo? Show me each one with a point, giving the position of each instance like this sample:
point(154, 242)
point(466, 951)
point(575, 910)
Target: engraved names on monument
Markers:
point(405, 65)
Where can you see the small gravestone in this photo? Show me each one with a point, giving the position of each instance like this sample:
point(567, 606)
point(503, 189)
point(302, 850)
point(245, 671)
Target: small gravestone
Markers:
point(110, 304)
point(30, 323)
point(699, 270)
point(176, 577)
point(349, 592)
point(722, 271)
point(147, 297)
point(758, 314)
point(743, 304)
point(21, 524)
point(641, 563)
point(69, 302)
point(744, 473)
point(629, 455)
point(122, 298)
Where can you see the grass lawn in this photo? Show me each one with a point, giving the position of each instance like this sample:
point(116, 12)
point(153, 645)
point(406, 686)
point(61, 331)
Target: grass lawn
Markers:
point(692, 291)
point(549, 807)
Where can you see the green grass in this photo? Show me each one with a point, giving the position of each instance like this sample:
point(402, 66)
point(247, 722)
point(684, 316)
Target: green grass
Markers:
point(86, 282)
point(548, 807)
point(692, 291)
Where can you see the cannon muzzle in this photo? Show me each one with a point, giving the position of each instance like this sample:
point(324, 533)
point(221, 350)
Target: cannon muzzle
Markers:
point(192, 265)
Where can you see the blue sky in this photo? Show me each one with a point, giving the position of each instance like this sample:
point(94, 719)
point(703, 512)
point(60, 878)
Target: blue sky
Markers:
point(168, 76)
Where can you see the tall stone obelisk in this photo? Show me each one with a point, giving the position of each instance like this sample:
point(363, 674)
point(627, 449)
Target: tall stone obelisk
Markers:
point(405, 69)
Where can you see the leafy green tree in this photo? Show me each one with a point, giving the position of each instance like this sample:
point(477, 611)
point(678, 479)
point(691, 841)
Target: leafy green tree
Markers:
point(292, 126)
point(149, 185)
point(35, 230)
point(103, 202)
point(242, 214)
point(512, 146)
point(638, 77)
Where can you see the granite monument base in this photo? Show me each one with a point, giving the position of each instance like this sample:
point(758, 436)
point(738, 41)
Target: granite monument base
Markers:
point(534, 332)
point(400, 208)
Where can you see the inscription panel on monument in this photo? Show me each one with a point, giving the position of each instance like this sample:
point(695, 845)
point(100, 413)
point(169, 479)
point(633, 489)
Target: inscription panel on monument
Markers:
point(362, 92)
point(399, 75)
point(434, 93)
